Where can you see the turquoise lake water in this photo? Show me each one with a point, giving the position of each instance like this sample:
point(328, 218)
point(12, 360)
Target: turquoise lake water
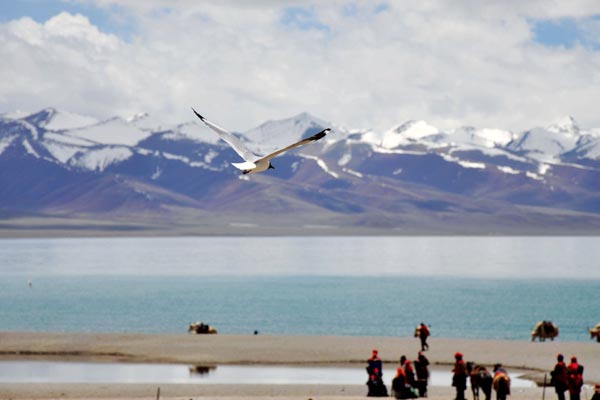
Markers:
point(462, 287)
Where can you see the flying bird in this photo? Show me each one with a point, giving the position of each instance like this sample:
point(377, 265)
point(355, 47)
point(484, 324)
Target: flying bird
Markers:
point(252, 162)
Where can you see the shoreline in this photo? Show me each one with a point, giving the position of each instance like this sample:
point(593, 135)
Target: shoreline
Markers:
point(533, 358)
point(244, 349)
point(16, 233)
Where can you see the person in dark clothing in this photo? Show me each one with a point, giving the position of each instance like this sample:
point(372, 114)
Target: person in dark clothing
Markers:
point(406, 365)
point(459, 378)
point(422, 371)
point(410, 373)
point(374, 370)
point(596, 395)
point(375, 363)
point(398, 384)
point(400, 387)
point(376, 387)
point(560, 377)
point(423, 335)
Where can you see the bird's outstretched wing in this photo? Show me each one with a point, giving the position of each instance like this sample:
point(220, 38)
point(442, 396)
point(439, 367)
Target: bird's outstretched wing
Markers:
point(313, 138)
point(235, 143)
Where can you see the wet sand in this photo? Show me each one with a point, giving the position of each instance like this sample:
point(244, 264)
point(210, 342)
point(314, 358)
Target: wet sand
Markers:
point(206, 350)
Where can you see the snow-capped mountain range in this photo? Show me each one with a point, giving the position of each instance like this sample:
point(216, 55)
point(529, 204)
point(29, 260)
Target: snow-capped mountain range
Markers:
point(54, 162)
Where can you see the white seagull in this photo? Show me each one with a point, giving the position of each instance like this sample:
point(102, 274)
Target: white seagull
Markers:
point(253, 163)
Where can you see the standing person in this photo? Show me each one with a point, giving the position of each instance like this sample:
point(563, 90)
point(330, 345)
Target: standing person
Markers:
point(402, 360)
point(423, 335)
point(408, 369)
point(560, 377)
point(422, 371)
point(410, 373)
point(375, 365)
point(459, 379)
point(575, 379)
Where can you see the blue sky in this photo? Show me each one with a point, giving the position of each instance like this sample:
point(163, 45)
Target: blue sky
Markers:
point(366, 64)
point(112, 19)
point(566, 32)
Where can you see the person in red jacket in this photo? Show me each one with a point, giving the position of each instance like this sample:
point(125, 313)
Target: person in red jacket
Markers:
point(560, 377)
point(459, 379)
point(423, 335)
point(575, 379)
point(375, 365)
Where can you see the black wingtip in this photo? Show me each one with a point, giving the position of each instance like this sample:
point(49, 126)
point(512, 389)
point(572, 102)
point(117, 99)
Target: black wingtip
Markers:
point(320, 135)
point(199, 116)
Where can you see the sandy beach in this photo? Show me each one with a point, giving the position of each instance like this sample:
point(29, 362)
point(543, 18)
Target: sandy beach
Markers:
point(213, 350)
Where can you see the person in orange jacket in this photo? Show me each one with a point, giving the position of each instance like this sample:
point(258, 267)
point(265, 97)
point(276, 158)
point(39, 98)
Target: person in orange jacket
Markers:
point(400, 386)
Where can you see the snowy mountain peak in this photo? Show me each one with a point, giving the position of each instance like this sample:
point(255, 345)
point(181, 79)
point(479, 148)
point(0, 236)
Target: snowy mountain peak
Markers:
point(277, 134)
point(407, 132)
point(147, 122)
point(62, 135)
point(18, 114)
point(497, 137)
point(42, 117)
point(547, 144)
point(54, 120)
point(416, 129)
point(114, 131)
point(566, 126)
point(303, 116)
point(486, 137)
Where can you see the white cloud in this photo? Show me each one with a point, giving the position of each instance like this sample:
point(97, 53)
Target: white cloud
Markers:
point(448, 63)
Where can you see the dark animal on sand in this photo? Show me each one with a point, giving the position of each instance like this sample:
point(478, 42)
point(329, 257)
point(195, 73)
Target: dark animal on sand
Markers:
point(480, 378)
point(595, 333)
point(202, 328)
point(544, 330)
point(501, 382)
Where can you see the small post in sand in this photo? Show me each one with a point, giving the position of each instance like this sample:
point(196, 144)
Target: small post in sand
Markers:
point(158, 393)
point(544, 391)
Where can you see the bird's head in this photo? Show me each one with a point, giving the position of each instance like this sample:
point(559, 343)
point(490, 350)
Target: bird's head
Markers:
point(271, 166)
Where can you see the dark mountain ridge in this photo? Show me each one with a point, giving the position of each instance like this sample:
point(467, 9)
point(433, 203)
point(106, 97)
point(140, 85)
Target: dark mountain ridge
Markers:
point(413, 179)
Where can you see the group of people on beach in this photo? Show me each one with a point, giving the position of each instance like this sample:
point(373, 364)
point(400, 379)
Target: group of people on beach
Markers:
point(567, 377)
point(409, 382)
point(411, 379)
point(480, 378)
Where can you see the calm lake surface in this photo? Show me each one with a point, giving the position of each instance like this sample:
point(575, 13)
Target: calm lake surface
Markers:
point(474, 287)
